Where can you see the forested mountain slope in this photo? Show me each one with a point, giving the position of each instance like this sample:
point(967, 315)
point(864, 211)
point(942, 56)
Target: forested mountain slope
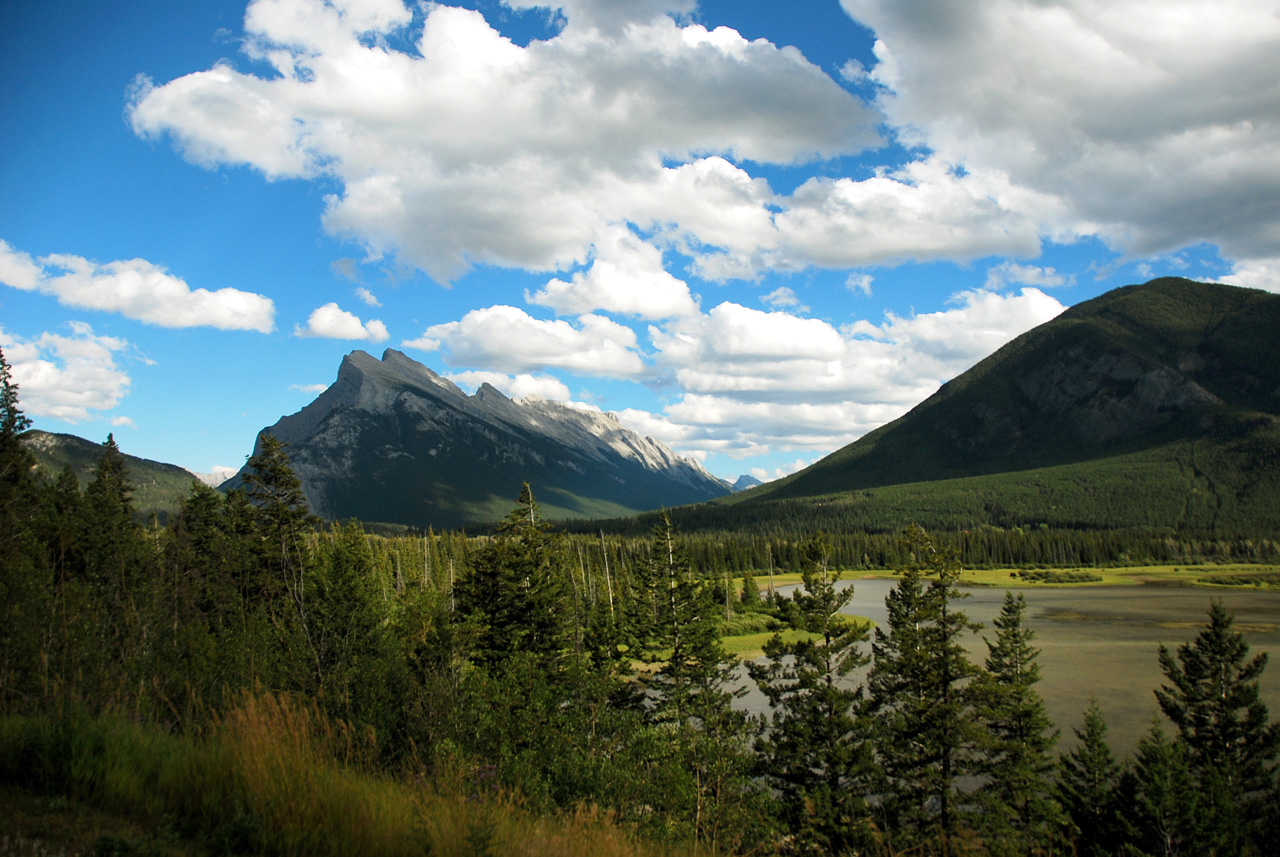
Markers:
point(1171, 387)
point(159, 488)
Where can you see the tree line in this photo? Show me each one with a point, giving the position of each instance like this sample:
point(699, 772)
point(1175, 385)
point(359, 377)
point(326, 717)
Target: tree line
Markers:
point(777, 542)
point(521, 661)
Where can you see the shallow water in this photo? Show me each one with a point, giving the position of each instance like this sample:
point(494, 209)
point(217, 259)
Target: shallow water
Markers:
point(1102, 642)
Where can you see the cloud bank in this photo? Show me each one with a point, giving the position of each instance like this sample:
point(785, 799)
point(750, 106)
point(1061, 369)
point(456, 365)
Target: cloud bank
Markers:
point(477, 150)
point(1153, 126)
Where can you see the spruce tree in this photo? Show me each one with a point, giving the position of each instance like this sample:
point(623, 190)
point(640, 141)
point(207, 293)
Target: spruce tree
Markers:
point(281, 522)
point(692, 691)
point(1018, 809)
point(1164, 807)
point(25, 593)
point(354, 655)
point(750, 596)
point(921, 695)
point(1213, 699)
point(514, 611)
point(817, 754)
point(15, 461)
point(1087, 788)
point(517, 596)
point(204, 638)
point(117, 563)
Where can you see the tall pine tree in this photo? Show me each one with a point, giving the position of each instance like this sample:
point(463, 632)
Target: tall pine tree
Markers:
point(118, 572)
point(1213, 699)
point(518, 596)
point(1164, 806)
point(1018, 808)
point(25, 594)
point(281, 522)
point(692, 691)
point(1088, 780)
point(817, 753)
point(921, 695)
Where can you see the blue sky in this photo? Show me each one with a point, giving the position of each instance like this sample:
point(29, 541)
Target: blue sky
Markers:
point(754, 230)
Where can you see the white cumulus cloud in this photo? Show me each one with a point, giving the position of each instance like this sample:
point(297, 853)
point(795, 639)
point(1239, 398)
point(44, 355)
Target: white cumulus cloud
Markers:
point(332, 322)
point(752, 381)
point(69, 378)
point(783, 296)
point(1011, 273)
point(959, 337)
point(1256, 274)
point(507, 339)
point(778, 472)
point(859, 282)
point(515, 386)
point(137, 289)
point(626, 277)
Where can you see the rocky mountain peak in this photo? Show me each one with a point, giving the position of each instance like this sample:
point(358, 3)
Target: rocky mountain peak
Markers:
point(392, 441)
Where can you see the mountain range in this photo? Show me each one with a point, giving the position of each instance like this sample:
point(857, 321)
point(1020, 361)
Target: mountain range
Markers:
point(1154, 406)
point(392, 442)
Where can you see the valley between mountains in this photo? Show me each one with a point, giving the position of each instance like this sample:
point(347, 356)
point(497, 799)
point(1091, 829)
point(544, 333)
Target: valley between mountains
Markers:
point(418, 618)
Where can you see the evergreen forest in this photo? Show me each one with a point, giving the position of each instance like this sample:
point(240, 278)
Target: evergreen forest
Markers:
point(247, 679)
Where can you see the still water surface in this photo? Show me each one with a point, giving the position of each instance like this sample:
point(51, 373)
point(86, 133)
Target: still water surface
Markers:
point(1101, 642)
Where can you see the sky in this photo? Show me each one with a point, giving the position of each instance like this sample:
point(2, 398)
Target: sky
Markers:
point(754, 230)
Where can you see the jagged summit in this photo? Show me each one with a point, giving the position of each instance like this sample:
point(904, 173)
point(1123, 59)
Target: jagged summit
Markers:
point(392, 441)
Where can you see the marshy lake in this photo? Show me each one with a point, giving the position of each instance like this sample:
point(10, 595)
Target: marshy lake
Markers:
point(1101, 642)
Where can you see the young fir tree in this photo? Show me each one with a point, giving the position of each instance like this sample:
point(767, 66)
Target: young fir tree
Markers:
point(1164, 805)
point(353, 648)
point(117, 573)
point(817, 754)
point(1018, 809)
point(15, 460)
point(517, 597)
point(203, 639)
point(1087, 789)
point(922, 698)
point(25, 595)
point(281, 524)
point(514, 610)
point(111, 536)
point(692, 691)
point(1213, 700)
point(283, 517)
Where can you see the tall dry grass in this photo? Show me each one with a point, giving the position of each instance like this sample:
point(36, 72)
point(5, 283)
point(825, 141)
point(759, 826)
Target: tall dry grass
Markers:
point(274, 776)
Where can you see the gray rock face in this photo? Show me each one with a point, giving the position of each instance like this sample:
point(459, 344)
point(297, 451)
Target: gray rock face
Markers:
point(1109, 396)
point(393, 441)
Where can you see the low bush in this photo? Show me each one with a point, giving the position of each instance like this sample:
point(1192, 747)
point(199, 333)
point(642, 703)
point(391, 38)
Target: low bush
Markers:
point(1057, 576)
